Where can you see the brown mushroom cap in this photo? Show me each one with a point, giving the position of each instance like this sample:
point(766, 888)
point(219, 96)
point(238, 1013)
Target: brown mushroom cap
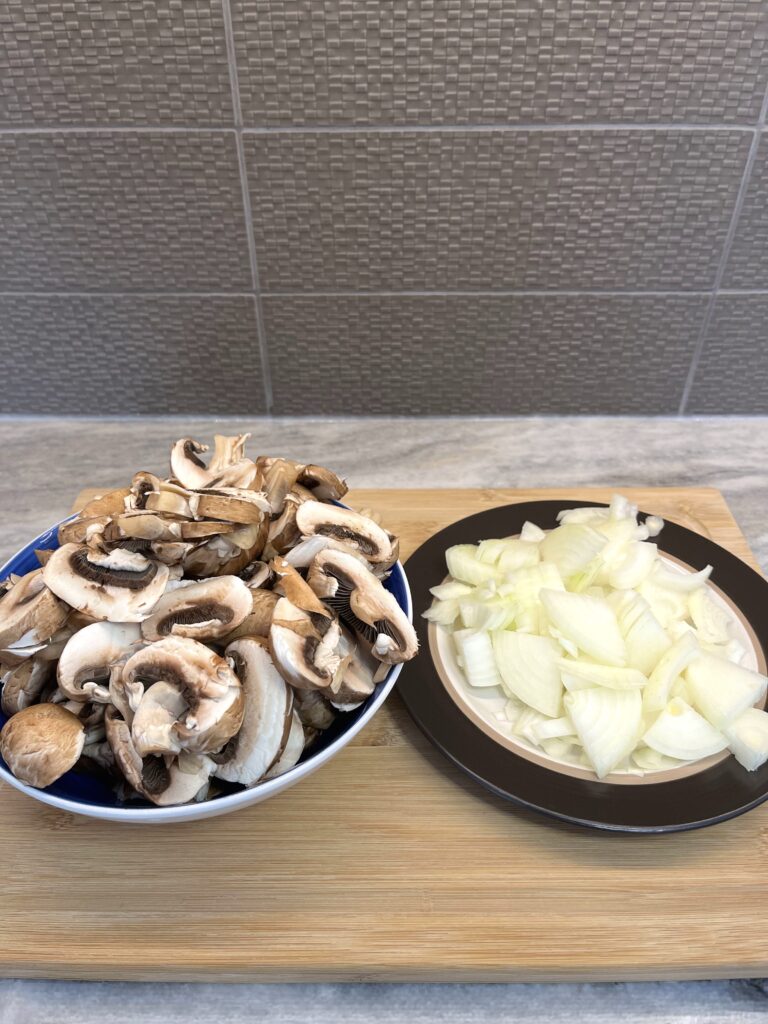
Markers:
point(30, 611)
point(119, 586)
point(23, 685)
point(323, 483)
point(41, 743)
point(202, 611)
point(258, 620)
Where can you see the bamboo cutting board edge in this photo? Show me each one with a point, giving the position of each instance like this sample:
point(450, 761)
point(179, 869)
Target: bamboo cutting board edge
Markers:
point(450, 884)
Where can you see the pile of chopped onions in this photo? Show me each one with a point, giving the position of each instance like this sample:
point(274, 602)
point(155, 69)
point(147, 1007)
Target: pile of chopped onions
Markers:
point(610, 657)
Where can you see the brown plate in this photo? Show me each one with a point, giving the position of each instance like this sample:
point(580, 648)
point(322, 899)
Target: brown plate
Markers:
point(712, 792)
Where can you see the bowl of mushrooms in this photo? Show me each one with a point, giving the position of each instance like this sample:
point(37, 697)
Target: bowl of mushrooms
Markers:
point(187, 646)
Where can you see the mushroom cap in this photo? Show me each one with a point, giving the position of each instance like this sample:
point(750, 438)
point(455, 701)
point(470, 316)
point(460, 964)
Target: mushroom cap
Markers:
point(41, 743)
point(87, 659)
point(267, 718)
point(305, 657)
point(153, 729)
point(359, 597)
point(212, 709)
point(258, 620)
point(119, 586)
point(353, 530)
point(323, 483)
point(292, 751)
point(147, 776)
point(23, 685)
point(30, 607)
point(206, 610)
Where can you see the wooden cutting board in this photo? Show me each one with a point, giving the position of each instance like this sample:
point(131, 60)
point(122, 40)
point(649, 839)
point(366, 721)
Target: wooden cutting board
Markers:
point(389, 864)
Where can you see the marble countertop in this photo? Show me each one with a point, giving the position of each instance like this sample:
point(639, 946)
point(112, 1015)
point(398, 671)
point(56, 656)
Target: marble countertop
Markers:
point(45, 462)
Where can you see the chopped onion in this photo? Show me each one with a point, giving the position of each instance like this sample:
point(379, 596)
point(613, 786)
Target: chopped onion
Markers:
point(589, 623)
point(711, 621)
point(528, 668)
point(463, 565)
point(677, 658)
point(603, 675)
point(681, 732)
point(450, 590)
point(722, 691)
point(571, 548)
point(747, 737)
point(607, 722)
point(532, 532)
point(476, 652)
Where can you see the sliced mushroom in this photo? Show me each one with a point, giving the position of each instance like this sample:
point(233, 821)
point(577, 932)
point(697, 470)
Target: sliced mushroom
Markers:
point(77, 531)
point(229, 554)
point(360, 599)
point(97, 757)
point(231, 504)
point(304, 647)
point(323, 483)
point(314, 710)
point(259, 619)
point(43, 554)
point(292, 751)
point(280, 476)
point(267, 719)
point(203, 611)
point(283, 531)
point(211, 708)
point(111, 503)
point(87, 659)
point(30, 612)
point(148, 776)
point(357, 532)
point(143, 483)
point(41, 743)
point(188, 777)
point(356, 680)
point(228, 466)
point(24, 685)
point(119, 586)
point(256, 574)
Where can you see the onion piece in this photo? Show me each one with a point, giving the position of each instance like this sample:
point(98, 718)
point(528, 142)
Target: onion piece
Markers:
point(608, 723)
point(681, 732)
point(476, 653)
point(722, 691)
point(747, 737)
point(528, 668)
point(674, 661)
point(603, 675)
point(589, 622)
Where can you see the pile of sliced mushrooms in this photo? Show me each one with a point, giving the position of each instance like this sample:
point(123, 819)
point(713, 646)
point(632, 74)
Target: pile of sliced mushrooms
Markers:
point(199, 631)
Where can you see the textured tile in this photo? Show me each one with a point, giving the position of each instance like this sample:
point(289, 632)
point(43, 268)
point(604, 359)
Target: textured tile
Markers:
point(461, 355)
point(748, 260)
point(485, 210)
point(478, 61)
point(127, 355)
point(113, 62)
point(732, 375)
point(119, 211)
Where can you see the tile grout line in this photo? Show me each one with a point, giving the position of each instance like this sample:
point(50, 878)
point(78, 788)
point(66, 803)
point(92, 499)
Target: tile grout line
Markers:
point(489, 293)
point(383, 129)
point(725, 253)
point(237, 113)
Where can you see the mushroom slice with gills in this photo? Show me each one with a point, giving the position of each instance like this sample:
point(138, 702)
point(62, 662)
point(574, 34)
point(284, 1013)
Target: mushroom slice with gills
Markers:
point(189, 774)
point(258, 621)
point(356, 678)
point(87, 659)
point(360, 599)
point(142, 525)
point(41, 743)
point(292, 752)
point(204, 611)
point(290, 584)
point(354, 531)
point(24, 685)
point(30, 612)
point(314, 710)
point(119, 586)
point(209, 710)
point(324, 484)
point(142, 484)
point(267, 719)
point(170, 552)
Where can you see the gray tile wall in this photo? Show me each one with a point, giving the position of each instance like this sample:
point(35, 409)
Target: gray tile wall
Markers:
point(381, 206)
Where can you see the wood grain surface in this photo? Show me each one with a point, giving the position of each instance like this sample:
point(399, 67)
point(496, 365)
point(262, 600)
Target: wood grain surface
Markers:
point(389, 864)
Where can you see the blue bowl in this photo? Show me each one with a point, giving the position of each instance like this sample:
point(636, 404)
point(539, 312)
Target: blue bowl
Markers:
point(81, 793)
